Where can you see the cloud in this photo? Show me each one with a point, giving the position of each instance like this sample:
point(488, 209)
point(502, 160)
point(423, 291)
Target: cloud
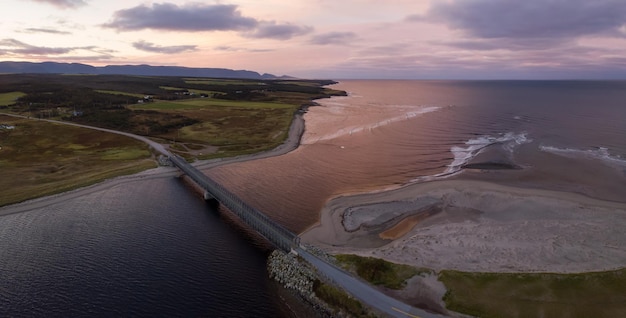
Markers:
point(188, 17)
point(238, 49)
point(64, 4)
point(528, 19)
point(14, 47)
point(196, 17)
point(341, 38)
point(44, 30)
point(150, 47)
point(273, 30)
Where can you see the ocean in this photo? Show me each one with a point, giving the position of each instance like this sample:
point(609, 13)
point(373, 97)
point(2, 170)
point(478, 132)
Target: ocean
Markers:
point(562, 135)
point(151, 247)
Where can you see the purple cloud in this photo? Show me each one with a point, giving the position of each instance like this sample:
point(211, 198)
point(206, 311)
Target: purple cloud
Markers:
point(529, 19)
point(273, 30)
point(151, 47)
point(44, 30)
point(188, 17)
point(64, 4)
point(14, 47)
point(340, 38)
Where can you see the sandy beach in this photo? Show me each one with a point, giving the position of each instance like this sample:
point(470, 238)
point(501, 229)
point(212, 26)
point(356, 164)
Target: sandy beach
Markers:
point(477, 226)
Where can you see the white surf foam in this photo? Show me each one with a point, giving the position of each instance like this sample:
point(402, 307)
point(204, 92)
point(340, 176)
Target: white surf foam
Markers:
point(411, 112)
point(600, 153)
point(462, 155)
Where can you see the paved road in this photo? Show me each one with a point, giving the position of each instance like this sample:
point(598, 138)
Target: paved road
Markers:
point(364, 291)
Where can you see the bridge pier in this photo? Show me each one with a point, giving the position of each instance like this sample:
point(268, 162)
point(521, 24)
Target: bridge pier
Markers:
point(208, 196)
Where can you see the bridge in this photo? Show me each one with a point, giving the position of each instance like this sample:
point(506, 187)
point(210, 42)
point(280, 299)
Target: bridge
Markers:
point(287, 241)
point(275, 233)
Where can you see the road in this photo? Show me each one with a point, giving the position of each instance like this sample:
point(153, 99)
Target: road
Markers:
point(364, 291)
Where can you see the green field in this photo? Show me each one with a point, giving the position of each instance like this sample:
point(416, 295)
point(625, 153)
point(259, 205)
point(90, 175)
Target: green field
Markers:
point(39, 158)
point(600, 294)
point(9, 98)
point(221, 82)
point(378, 271)
point(195, 91)
point(209, 102)
point(120, 93)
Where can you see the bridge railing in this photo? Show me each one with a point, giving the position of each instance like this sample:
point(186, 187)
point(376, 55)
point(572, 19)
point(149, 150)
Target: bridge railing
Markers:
point(277, 234)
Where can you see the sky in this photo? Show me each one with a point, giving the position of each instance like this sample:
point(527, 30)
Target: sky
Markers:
point(338, 39)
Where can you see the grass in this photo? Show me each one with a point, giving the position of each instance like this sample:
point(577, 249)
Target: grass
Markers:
point(339, 300)
point(40, 158)
point(196, 91)
point(378, 271)
point(7, 99)
point(220, 82)
point(120, 93)
point(207, 102)
point(599, 294)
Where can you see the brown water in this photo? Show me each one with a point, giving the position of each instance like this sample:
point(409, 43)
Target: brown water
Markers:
point(389, 133)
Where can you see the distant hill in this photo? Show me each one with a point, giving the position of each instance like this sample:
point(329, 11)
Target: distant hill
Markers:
point(144, 70)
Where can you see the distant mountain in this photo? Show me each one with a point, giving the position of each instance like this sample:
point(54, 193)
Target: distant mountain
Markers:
point(144, 70)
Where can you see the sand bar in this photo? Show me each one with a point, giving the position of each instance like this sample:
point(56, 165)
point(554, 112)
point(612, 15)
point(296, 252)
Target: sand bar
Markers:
point(484, 227)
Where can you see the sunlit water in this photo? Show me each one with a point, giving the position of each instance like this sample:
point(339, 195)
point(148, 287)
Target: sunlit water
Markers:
point(389, 133)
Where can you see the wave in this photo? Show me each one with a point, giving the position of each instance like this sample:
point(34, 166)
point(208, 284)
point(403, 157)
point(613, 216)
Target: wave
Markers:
point(600, 153)
point(350, 130)
point(462, 155)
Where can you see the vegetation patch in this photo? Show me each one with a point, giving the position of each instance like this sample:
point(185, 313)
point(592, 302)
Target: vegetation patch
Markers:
point(338, 299)
point(378, 271)
point(598, 294)
point(7, 99)
point(39, 158)
point(121, 93)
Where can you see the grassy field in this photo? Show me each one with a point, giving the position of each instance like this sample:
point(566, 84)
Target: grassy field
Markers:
point(339, 300)
point(378, 271)
point(597, 294)
point(39, 158)
point(206, 103)
point(211, 81)
point(9, 98)
point(195, 91)
point(120, 93)
point(601, 294)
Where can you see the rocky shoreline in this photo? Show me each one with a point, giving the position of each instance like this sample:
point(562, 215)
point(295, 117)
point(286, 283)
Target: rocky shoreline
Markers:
point(297, 275)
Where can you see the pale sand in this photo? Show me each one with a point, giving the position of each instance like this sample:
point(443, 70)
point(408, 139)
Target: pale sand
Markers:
point(482, 227)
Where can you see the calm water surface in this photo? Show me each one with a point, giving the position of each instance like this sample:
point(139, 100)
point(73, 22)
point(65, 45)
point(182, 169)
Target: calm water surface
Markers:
point(145, 248)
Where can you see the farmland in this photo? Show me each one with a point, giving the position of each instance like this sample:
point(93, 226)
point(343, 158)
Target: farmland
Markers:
point(196, 118)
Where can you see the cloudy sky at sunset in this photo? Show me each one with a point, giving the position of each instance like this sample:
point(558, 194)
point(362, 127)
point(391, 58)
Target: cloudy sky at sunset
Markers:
point(477, 39)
